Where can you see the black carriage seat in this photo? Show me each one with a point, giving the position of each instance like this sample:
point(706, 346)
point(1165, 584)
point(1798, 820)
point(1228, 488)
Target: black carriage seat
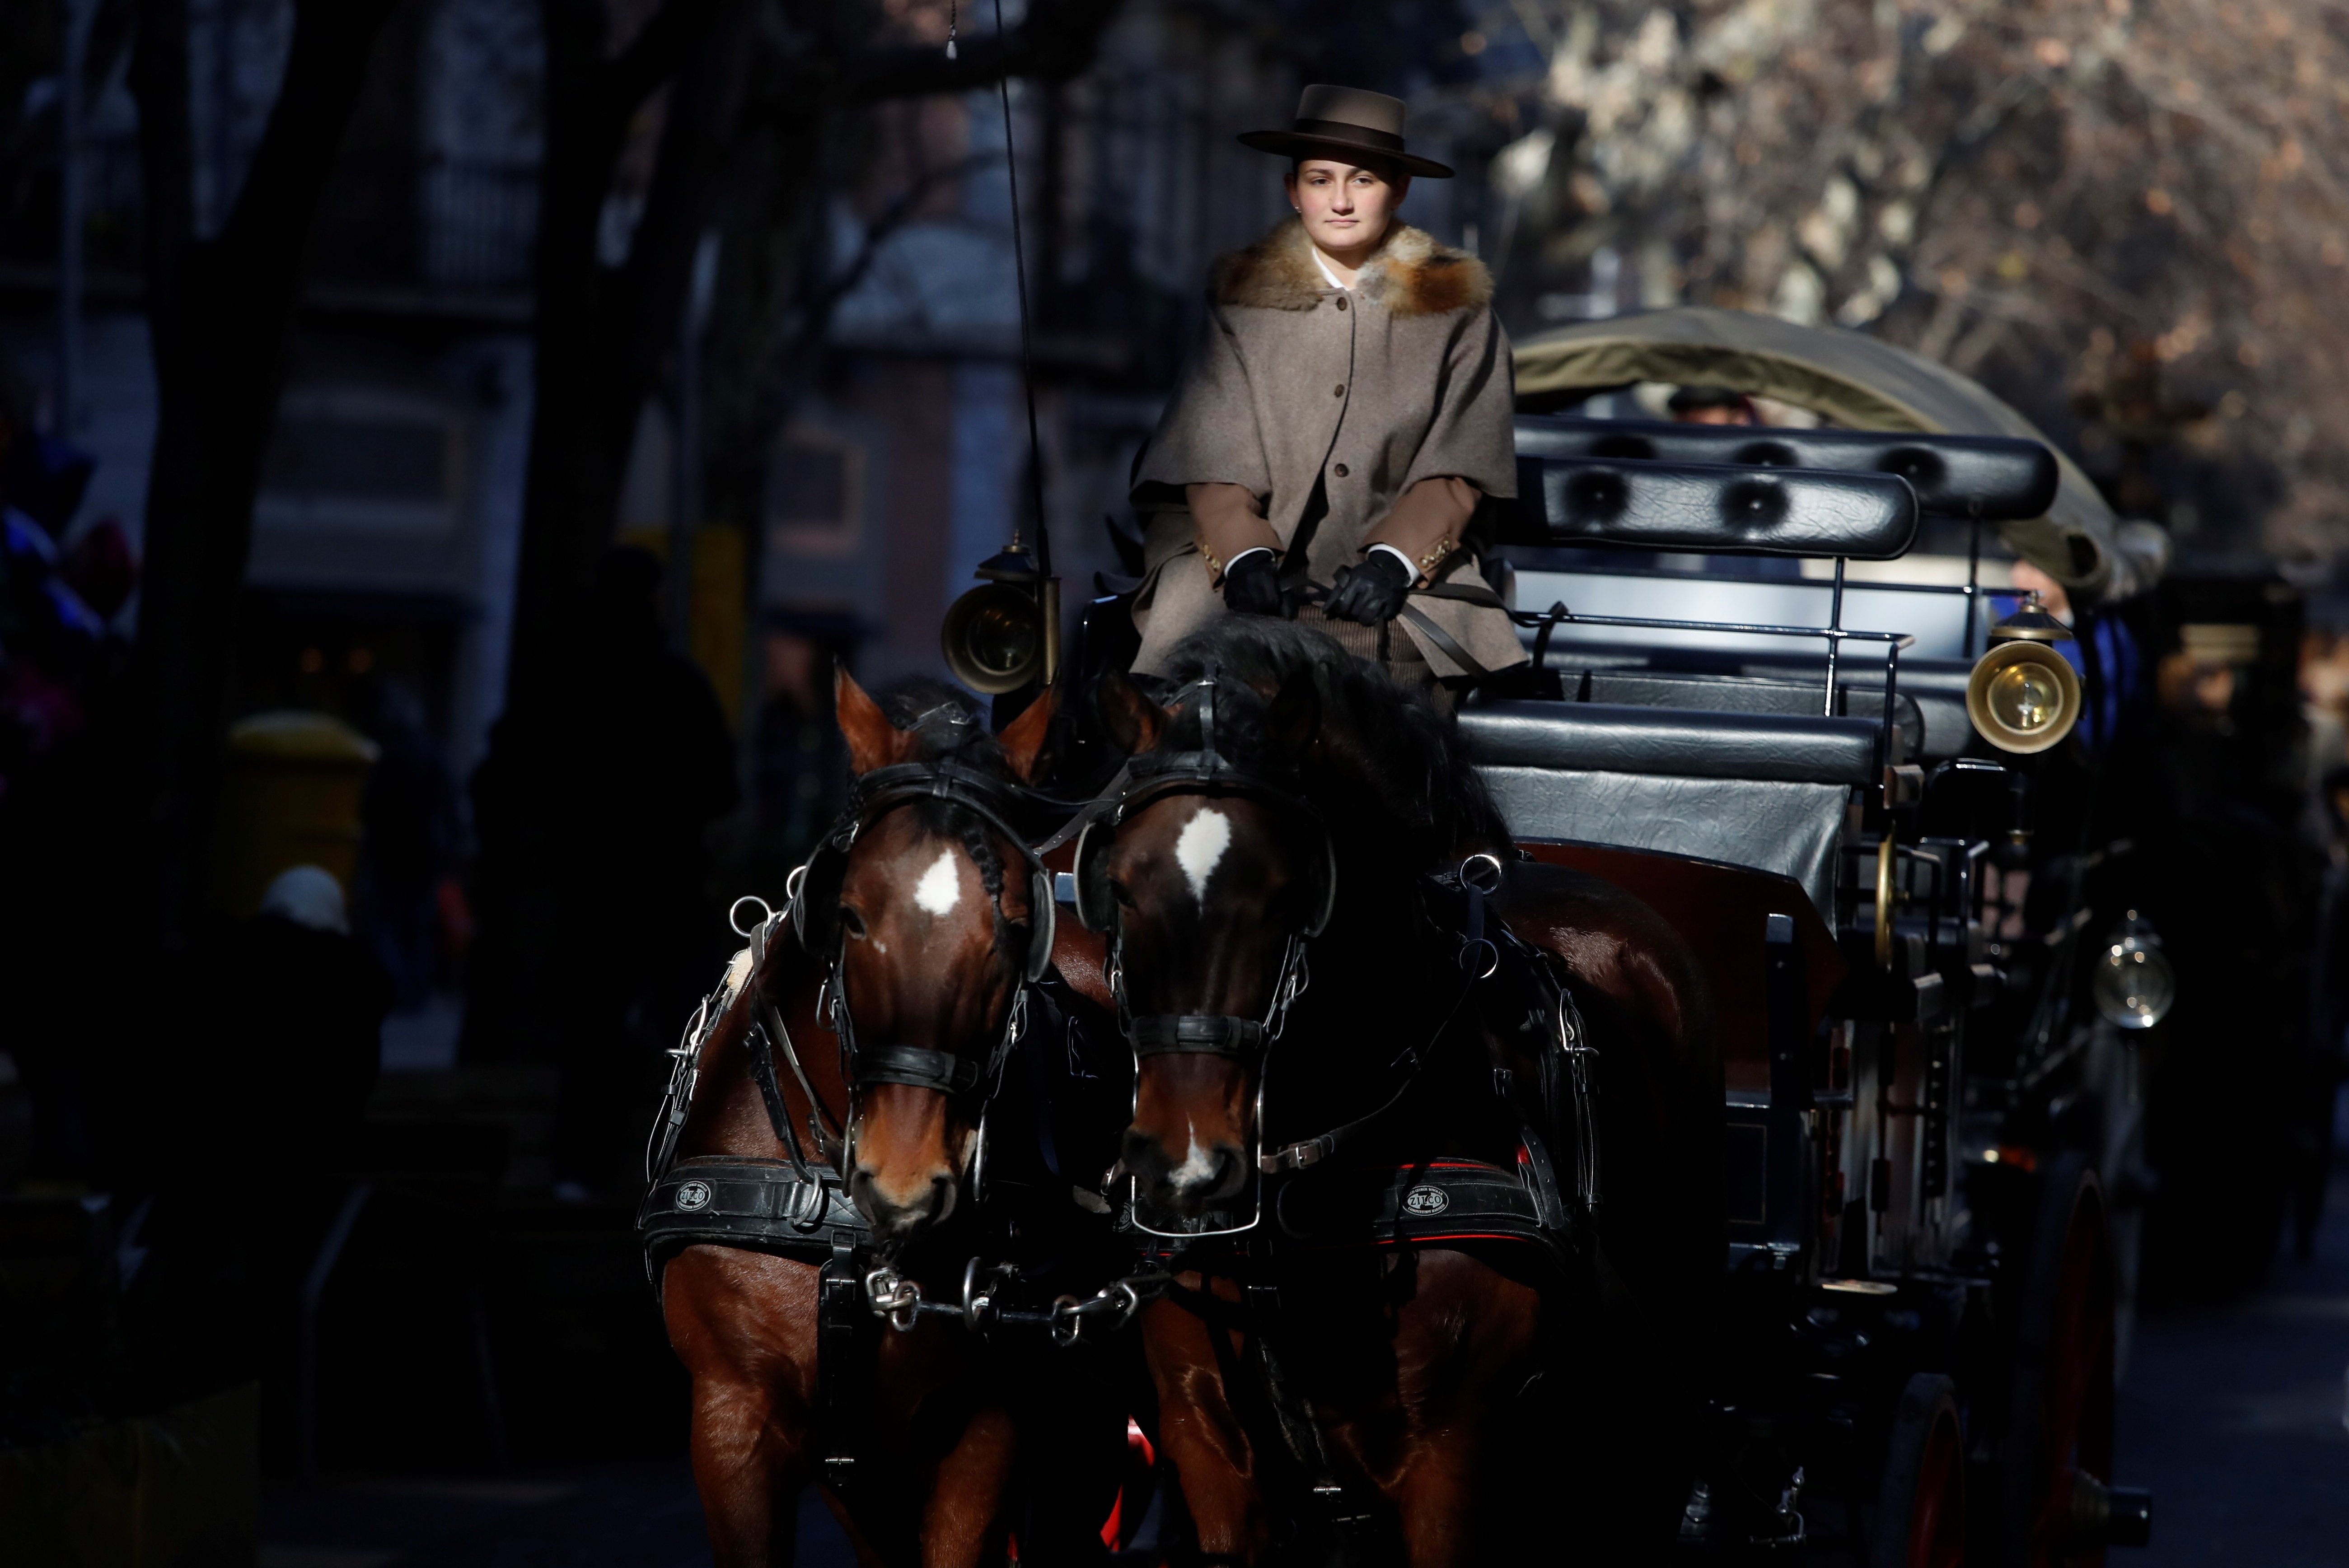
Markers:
point(1768, 791)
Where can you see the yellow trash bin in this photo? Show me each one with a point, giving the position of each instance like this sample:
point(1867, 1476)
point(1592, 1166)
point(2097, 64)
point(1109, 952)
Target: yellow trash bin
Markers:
point(292, 798)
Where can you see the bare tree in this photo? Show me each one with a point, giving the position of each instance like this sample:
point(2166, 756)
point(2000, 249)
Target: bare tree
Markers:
point(764, 76)
point(219, 314)
point(2084, 205)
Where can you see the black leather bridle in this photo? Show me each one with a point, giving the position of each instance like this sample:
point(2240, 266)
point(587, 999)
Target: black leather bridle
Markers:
point(1155, 776)
point(814, 911)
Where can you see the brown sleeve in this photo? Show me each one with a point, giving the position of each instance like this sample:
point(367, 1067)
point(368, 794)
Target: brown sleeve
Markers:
point(1427, 520)
point(1228, 523)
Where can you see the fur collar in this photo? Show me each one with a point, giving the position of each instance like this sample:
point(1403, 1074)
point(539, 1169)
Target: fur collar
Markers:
point(1411, 274)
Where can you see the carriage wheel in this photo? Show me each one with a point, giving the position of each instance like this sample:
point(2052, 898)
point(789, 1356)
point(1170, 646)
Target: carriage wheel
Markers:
point(1920, 1509)
point(2060, 1423)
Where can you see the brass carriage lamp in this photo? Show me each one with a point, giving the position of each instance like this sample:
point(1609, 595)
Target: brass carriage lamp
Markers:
point(1005, 633)
point(2023, 696)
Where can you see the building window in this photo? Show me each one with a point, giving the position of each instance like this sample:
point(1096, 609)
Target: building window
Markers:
point(814, 495)
point(334, 459)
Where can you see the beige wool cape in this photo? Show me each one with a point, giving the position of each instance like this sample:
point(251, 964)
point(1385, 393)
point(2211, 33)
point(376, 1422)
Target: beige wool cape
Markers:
point(1395, 395)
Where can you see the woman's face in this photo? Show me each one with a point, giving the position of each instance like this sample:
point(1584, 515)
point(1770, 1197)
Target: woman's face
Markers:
point(1345, 207)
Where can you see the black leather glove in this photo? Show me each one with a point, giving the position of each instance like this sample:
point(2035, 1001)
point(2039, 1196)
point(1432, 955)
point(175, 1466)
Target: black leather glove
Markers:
point(1252, 586)
point(1371, 593)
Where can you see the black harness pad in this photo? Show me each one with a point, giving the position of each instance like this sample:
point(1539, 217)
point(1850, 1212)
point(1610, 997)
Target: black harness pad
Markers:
point(1441, 1200)
point(759, 1205)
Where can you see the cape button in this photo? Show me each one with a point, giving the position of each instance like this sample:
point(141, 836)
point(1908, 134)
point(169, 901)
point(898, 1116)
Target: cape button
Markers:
point(1339, 391)
point(1340, 471)
point(1342, 301)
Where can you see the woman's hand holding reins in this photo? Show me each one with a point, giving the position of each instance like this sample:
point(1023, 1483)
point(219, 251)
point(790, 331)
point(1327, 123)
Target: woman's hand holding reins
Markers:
point(1252, 585)
point(1371, 593)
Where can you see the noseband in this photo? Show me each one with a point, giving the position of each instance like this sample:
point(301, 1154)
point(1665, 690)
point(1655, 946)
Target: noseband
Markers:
point(814, 895)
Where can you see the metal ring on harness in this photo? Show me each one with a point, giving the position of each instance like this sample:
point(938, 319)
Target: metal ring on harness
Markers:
point(1487, 883)
point(896, 1299)
point(766, 913)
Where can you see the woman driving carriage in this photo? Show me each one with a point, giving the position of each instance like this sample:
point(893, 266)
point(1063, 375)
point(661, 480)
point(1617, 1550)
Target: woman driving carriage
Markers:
point(1347, 409)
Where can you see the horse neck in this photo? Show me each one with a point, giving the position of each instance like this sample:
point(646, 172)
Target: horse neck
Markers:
point(729, 1110)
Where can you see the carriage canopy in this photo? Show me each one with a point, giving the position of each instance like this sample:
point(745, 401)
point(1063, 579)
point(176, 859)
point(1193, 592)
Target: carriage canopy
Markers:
point(1856, 382)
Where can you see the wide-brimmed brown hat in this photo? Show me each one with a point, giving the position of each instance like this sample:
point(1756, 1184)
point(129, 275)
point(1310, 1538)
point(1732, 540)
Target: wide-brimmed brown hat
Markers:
point(1338, 121)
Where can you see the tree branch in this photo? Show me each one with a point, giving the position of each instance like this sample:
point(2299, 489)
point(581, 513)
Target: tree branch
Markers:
point(159, 82)
point(656, 54)
point(826, 297)
point(1057, 41)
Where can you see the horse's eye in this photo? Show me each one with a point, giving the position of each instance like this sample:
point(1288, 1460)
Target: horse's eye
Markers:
point(852, 923)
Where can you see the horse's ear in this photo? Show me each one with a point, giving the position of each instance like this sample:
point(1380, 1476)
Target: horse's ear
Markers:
point(1294, 718)
point(873, 740)
point(1023, 738)
point(1131, 719)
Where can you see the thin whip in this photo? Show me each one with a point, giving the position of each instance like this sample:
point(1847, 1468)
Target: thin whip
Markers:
point(1019, 274)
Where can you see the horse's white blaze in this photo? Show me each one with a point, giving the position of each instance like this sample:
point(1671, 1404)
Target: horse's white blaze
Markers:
point(940, 888)
point(1198, 1165)
point(1201, 847)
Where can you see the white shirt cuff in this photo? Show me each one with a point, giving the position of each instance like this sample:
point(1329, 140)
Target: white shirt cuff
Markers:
point(1243, 556)
point(1409, 571)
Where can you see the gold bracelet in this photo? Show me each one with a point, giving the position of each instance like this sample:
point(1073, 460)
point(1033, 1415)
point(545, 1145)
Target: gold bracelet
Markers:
point(1427, 563)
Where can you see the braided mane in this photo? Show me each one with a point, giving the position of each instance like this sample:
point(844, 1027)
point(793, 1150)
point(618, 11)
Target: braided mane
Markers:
point(952, 726)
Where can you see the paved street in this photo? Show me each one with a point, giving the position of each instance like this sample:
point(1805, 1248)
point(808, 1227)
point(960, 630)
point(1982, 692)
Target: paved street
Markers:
point(2234, 1417)
point(617, 1516)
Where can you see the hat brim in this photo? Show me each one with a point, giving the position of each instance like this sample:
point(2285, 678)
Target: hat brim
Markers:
point(1297, 144)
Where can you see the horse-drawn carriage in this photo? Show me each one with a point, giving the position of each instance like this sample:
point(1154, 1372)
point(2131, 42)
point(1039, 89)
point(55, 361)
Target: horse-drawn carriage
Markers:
point(1928, 1110)
point(1716, 1127)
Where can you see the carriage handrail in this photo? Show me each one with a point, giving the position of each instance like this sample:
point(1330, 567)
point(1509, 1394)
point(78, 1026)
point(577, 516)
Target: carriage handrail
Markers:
point(1835, 633)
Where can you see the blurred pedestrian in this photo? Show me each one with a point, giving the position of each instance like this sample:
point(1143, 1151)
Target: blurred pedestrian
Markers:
point(618, 774)
point(409, 814)
point(801, 768)
point(1710, 406)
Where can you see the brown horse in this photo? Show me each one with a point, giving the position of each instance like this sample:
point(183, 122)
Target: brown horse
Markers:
point(930, 948)
point(1455, 1398)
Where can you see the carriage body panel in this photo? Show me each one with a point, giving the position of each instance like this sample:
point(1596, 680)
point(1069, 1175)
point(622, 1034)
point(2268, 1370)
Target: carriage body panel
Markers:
point(1695, 730)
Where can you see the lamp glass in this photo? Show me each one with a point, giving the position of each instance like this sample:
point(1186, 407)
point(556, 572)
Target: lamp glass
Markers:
point(2134, 985)
point(2026, 699)
point(1002, 641)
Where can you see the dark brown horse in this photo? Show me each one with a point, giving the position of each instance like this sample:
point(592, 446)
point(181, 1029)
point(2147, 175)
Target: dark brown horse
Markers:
point(1442, 1401)
point(931, 942)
